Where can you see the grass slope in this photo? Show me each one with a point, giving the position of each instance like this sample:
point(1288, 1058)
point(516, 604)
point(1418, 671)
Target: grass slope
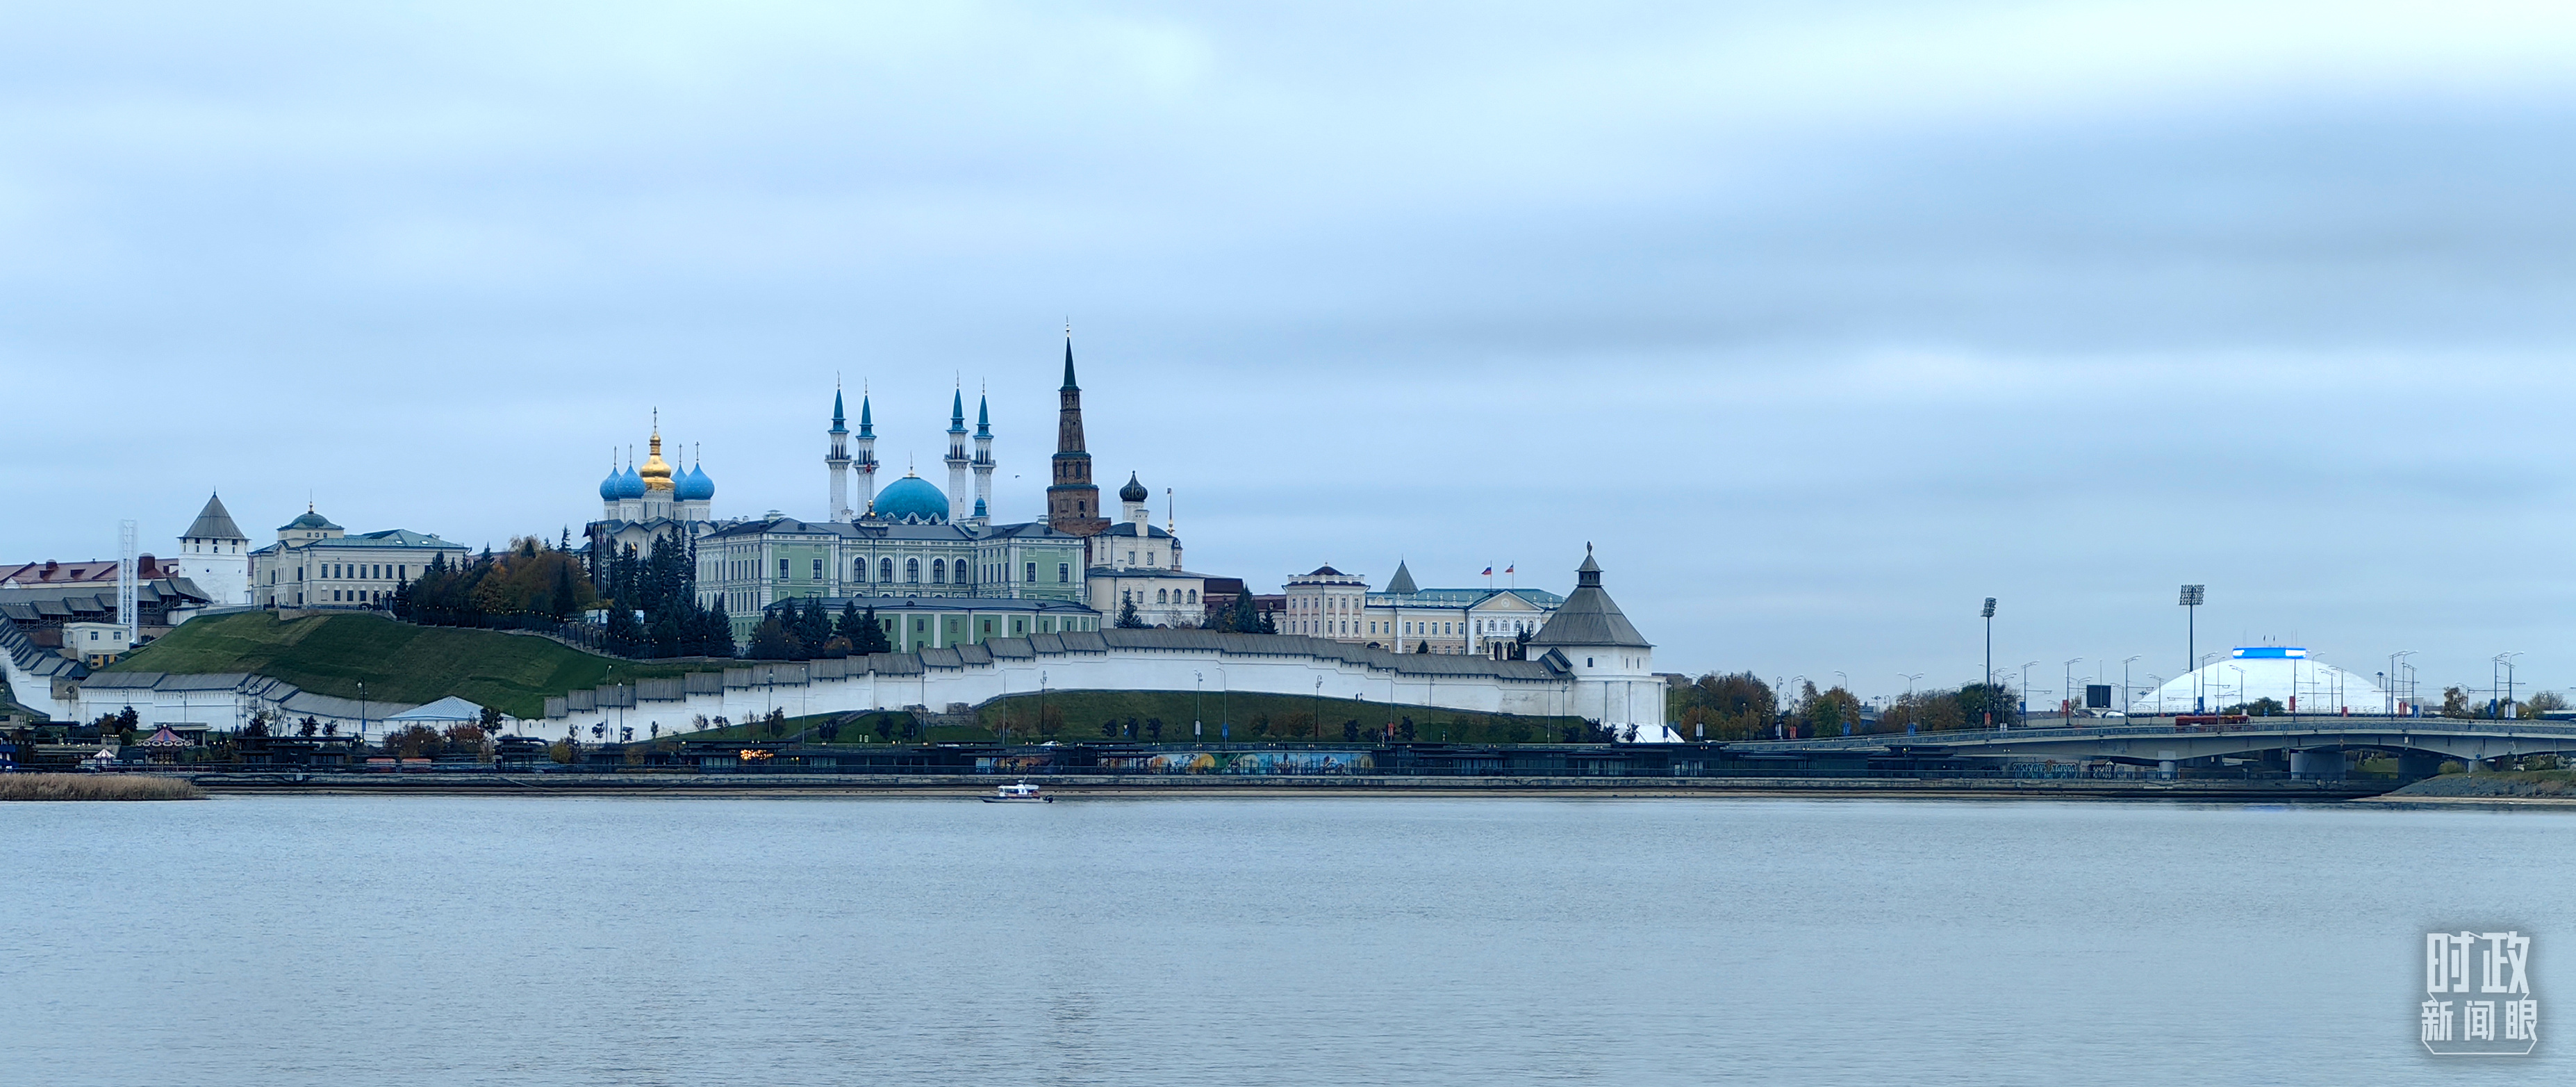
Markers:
point(398, 662)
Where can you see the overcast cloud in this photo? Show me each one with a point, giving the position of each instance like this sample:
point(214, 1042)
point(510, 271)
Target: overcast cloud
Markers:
point(1821, 321)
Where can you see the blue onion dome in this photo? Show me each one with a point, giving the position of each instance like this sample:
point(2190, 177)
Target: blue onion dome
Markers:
point(630, 484)
point(1133, 491)
point(608, 486)
point(912, 501)
point(693, 485)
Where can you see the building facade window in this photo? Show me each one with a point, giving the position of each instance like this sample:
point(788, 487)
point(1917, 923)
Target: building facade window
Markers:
point(1063, 572)
point(818, 569)
point(912, 571)
point(782, 569)
point(885, 569)
point(938, 571)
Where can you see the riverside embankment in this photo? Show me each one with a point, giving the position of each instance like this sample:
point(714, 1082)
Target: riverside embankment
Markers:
point(1134, 785)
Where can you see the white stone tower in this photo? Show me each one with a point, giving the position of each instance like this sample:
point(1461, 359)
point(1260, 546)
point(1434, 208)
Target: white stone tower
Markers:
point(983, 460)
point(838, 460)
point(959, 506)
point(214, 554)
point(1613, 667)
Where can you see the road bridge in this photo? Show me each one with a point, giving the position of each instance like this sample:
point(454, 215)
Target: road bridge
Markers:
point(2310, 746)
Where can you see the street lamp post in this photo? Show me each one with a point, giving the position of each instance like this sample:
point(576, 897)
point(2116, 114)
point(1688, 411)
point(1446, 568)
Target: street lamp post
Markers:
point(1198, 690)
point(1909, 678)
point(2024, 699)
point(2126, 695)
point(1844, 681)
point(2507, 658)
point(2069, 691)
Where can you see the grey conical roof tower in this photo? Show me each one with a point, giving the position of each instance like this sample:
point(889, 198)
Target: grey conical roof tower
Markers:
point(214, 523)
point(1588, 616)
point(1402, 583)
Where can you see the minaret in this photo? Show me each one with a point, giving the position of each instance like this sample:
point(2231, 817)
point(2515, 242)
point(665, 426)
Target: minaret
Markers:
point(838, 460)
point(983, 459)
point(959, 506)
point(867, 453)
point(1073, 504)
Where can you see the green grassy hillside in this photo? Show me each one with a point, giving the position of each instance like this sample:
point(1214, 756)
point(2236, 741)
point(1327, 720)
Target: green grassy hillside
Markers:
point(398, 662)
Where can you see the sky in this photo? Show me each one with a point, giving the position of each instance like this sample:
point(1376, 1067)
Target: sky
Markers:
point(1820, 322)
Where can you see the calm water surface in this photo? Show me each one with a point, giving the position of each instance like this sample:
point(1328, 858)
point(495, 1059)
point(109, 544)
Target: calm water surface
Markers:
point(1252, 941)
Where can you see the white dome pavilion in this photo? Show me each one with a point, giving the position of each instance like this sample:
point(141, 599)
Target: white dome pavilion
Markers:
point(2284, 674)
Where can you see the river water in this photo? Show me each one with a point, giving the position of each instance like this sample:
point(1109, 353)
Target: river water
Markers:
point(1254, 941)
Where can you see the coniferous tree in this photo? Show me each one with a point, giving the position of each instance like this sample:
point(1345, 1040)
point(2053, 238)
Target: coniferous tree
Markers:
point(871, 636)
point(814, 627)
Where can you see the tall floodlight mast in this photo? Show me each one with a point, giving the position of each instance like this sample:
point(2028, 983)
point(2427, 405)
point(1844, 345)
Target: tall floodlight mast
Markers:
point(1989, 698)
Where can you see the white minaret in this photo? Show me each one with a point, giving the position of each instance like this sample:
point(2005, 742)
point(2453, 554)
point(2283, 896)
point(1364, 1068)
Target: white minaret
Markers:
point(215, 555)
point(983, 459)
point(838, 460)
point(867, 453)
point(959, 506)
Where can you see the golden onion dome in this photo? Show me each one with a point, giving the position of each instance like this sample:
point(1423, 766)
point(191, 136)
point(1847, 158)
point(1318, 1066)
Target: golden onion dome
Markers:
point(656, 473)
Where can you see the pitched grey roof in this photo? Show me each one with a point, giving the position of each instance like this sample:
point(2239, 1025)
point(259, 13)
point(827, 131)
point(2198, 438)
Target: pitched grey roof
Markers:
point(214, 523)
point(1589, 617)
point(1402, 583)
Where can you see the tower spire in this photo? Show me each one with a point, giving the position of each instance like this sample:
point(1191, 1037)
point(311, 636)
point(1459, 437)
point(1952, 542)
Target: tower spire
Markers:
point(959, 506)
point(1073, 502)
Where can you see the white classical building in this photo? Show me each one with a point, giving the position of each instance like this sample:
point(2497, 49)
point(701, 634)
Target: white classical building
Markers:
point(1132, 561)
point(317, 564)
point(2285, 674)
point(1328, 603)
point(215, 555)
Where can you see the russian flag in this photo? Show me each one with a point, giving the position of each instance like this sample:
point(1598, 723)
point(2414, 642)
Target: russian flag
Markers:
point(1489, 572)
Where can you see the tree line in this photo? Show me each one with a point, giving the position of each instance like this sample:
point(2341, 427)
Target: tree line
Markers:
point(807, 630)
point(1740, 706)
point(651, 598)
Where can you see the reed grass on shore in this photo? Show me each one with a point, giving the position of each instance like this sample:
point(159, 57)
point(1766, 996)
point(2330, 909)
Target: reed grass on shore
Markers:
point(95, 787)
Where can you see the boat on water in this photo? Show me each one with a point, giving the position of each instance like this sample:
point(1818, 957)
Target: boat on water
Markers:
point(1021, 793)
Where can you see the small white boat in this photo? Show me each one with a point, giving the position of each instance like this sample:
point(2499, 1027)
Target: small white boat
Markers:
point(1022, 793)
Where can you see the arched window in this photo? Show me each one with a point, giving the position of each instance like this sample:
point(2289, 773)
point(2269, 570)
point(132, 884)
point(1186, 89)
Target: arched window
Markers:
point(939, 571)
point(912, 571)
point(858, 569)
point(1158, 597)
point(1194, 596)
point(885, 569)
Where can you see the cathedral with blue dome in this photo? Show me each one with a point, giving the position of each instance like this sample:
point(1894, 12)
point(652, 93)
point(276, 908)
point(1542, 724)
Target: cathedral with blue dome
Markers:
point(643, 503)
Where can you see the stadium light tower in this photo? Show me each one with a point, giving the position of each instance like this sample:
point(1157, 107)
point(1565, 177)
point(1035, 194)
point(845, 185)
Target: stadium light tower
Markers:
point(2192, 597)
point(1989, 698)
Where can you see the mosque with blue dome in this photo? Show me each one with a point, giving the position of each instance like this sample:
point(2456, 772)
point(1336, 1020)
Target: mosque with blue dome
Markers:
point(934, 562)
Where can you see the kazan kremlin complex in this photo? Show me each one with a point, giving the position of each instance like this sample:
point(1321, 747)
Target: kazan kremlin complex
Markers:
point(974, 606)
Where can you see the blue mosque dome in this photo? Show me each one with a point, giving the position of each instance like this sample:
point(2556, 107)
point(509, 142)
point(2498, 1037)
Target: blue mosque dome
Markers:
point(912, 500)
point(693, 485)
point(630, 484)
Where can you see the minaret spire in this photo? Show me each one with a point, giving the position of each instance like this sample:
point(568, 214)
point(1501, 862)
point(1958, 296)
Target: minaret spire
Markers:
point(959, 506)
point(838, 460)
point(867, 460)
point(983, 514)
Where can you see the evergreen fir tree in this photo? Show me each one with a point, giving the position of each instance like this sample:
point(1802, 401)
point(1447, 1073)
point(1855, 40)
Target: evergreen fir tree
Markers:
point(871, 637)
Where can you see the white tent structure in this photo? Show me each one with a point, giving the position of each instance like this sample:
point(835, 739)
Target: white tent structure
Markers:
point(2284, 674)
point(446, 711)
